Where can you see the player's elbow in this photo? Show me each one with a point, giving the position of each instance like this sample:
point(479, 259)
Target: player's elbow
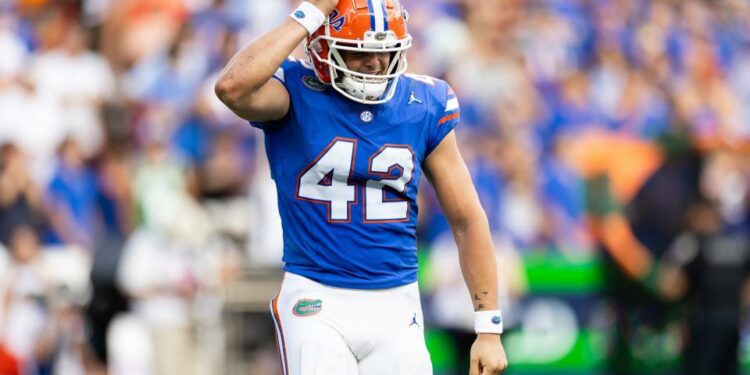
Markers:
point(227, 91)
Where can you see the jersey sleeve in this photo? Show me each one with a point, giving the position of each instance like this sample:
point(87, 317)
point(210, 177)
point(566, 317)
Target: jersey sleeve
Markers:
point(288, 69)
point(447, 116)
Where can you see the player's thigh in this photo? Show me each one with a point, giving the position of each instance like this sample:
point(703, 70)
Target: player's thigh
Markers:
point(400, 346)
point(307, 340)
point(397, 360)
point(318, 351)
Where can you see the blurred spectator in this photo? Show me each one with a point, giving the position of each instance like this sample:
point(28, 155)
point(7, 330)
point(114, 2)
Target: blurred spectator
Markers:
point(78, 81)
point(156, 273)
point(72, 198)
point(174, 280)
point(134, 29)
point(115, 193)
point(168, 268)
point(24, 307)
point(709, 264)
point(12, 48)
point(39, 325)
point(118, 217)
point(162, 186)
point(20, 198)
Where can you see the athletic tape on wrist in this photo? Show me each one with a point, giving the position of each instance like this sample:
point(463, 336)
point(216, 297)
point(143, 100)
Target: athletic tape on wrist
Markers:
point(309, 16)
point(490, 321)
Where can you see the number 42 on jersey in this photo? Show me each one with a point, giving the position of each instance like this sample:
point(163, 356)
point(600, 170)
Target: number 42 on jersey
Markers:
point(327, 180)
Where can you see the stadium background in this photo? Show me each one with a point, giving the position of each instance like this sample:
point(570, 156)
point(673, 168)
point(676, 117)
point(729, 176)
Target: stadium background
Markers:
point(138, 222)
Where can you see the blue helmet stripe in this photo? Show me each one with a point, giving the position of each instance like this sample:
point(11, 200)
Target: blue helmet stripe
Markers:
point(372, 15)
point(385, 17)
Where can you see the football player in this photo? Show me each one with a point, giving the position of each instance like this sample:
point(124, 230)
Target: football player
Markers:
point(348, 135)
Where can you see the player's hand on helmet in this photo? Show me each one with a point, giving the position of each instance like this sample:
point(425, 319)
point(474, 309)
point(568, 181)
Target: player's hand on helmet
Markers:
point(487, 355)
point(326, 6)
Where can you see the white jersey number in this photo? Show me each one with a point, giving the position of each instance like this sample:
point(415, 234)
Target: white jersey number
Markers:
point(382, 163)
point(327, 179)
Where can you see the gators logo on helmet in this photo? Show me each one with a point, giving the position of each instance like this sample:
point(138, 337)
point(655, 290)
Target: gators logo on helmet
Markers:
point(335, 21)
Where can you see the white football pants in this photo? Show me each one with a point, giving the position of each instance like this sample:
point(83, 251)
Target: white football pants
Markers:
point(323, 330)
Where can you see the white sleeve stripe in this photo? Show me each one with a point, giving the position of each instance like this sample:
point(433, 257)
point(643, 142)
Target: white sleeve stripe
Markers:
point(279, 74)
point(451, 105)
point(377, 9)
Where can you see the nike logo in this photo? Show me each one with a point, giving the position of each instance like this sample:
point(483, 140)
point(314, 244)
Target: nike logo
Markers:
point(413, 99)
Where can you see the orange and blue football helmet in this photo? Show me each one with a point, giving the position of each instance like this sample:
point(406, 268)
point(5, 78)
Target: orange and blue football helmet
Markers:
point(361, 26)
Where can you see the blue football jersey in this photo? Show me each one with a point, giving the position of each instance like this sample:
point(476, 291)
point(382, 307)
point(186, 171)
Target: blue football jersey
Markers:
point(347, 176)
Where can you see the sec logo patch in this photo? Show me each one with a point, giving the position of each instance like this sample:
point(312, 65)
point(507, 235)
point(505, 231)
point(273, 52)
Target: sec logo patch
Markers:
point(366, 116)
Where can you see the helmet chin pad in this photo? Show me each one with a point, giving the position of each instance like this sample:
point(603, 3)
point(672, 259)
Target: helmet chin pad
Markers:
point(365, 89)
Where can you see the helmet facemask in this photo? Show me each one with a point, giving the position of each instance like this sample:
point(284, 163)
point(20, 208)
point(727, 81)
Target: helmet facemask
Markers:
point(361, 87)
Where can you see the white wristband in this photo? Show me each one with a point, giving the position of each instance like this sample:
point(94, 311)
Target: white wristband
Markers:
point(490, 321)
point(309, 16)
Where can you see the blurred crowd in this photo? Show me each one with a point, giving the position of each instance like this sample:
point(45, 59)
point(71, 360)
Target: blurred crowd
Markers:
point(607, 127)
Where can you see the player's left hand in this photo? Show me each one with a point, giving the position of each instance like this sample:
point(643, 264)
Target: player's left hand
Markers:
point(487, 355)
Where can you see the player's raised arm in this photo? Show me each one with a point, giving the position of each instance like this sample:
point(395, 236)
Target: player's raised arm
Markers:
point(245, 84)
point(458, 198)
